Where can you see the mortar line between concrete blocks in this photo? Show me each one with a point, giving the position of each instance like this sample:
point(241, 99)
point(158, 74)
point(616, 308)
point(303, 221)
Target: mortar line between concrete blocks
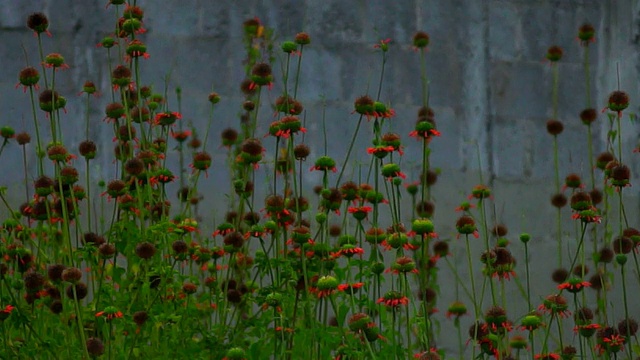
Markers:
point(489, 109)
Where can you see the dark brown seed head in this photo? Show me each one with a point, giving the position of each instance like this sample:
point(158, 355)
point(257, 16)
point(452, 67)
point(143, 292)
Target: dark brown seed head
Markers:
point(429, 295)
point(33, 281)
point(628, 327)
point(189, 288)
point(420, 39)
point(425, 209)
point(584, 314)
point(134, 166)
point(88, 149)
point(581, 200)
point(588, 116)
point(554, 127)
point(261, 70)
point(605, 255)
point(301, 151)
point(618, 101)
point(247, 88)
point(249, 105)
point(560, 275)
point(554, 53)
point(620, 175)
point(95, 347)
point(500, 230)
point(251, 218)
point(140, 317)
point(234, 296)
point(56, 307)
point(603, 159)
point(38, 22)
point(622, 245)
point(252, 147)
point(335, 230)
point(179, 247)
point(596, 196)
point(586, 33)
point(234, 239)
point(54, 272)
point(145, 250)
point(107, 250)
point(80, 289)
point(441, 248)
point(229, 136)
point(72, 275)
point(350, 190)
point(598, 281)
point(302, 38)
point(23, 138)
point(92, 238)
point(478, 331)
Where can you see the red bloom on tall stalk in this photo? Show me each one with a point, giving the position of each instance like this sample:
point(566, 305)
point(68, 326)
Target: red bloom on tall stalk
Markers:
point(555, 305)
point(137, 48)
point(380, 151)
point(590, 215)
point(348, 250)
point(167, 118)
point(110, 313)
point(55, 61)
point(424, 129)
point(350, 288)
point(181, 136)
point(360, 212)
point(383, 44)
point(586, 330)
point(574, 285)
point(609, 341)
point(393, 299)
point(4, 313)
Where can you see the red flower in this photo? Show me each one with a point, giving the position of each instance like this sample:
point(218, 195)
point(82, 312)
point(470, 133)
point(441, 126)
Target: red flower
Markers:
point(345, 287)
point(383, 150)
point(590, 215)
point(360, 212)
point(7, 309)
point(574, 286)
point(110, 313)
point(393, 299)
point(555, 305)
point(167, 118)
point(383, 45)
point(425, 134)
point(612, 343)
point(465, 206)
point(181, 135)
point(586, 330)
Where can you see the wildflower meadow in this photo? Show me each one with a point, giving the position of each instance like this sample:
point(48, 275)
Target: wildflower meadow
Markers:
point(138, 230)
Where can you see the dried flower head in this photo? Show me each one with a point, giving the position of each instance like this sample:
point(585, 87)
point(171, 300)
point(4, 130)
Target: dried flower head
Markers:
point(554, 53)
point(586, 33)
point(554, 127)
point(618, 101)
point(420, 40)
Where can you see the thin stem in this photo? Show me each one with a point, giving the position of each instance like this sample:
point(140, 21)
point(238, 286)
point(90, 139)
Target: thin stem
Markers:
point(346, 160)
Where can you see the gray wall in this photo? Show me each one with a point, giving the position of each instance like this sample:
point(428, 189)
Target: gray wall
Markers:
point(490, 86)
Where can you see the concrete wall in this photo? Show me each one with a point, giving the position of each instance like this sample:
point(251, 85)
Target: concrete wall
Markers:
point(490, 85)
